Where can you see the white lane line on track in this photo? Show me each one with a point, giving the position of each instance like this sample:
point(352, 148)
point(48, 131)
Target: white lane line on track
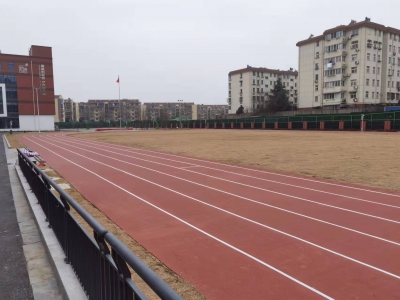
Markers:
point(182, 168)
point(241, 197)
point(270, 191)
point(254, 170)
point(192, 226)
point(228, 212)
point(239, 183)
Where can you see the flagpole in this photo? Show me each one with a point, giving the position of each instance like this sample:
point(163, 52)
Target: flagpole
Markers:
point(119, 101)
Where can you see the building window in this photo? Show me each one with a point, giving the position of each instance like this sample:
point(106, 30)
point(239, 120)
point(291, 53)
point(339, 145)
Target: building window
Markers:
point(316, 98)
point(10, 66)
point(353, 82)
point(317, 43)
point(390, 46)
point(354, 32)
point(390, 59)
point(374, 57)
point(377, 95)
point(379, 58)
point(241, 75)
point(353, 57)
point(368, 56)
point(373, 95)
point(388, 83)
point(254, 81)
point(353, 95)
point(254, 90)
point(354, 44)
point(316, 76)
point(398, 73)
point(366, 94)
point(377, 83)
point(373, 70)
point(367, 82)
point(316, 66)
point(379, 71)
point(354, 70)
point(316, 87)
point(241, 83)
point(367, 69)
point(373, 83)
point(254, 73)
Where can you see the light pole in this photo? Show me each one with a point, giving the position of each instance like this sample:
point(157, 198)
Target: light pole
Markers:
point(37, 104)
point(180, 118)
point(33, 97)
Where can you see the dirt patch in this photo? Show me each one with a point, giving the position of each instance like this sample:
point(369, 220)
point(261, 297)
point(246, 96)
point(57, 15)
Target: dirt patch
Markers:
point(183, 288)
point(370, 159)
point(14, 141)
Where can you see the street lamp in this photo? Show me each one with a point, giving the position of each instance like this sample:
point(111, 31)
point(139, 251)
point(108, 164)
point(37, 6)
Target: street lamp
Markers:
point(180, 118)
point(37, 104)
point(33, 97)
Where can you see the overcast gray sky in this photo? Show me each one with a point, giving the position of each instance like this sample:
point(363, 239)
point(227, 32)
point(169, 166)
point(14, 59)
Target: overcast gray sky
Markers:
point(166, 50)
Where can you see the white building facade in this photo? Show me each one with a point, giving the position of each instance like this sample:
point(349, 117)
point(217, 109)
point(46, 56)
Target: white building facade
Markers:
point(353, 65)
point(250, 86)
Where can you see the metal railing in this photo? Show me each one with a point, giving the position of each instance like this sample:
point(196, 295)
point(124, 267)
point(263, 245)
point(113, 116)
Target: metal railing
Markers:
point(99, 262)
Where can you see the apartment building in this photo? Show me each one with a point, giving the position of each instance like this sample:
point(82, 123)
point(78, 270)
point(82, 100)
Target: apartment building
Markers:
point(209, 111)
point(350, 65)
point(167, 110)
point(59, 108)
point(66, 110)
point(109, 110)
point(249, 87)
point(70, 111)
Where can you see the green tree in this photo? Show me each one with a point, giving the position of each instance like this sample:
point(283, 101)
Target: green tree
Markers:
point(278, 100)
point(240, 110)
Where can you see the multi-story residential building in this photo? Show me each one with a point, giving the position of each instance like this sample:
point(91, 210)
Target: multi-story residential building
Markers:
point(356, 64)
point(167, 110)
point(249, 87)
point(209, 112)
point(59, 108)
point(70, 111)
point(110, 110)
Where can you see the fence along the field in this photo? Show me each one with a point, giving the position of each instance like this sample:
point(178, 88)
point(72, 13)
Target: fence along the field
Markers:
point(100, 262)
point(374, 121)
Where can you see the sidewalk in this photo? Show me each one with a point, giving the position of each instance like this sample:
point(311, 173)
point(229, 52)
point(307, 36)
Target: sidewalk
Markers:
point(14, 279)
point(25, 272)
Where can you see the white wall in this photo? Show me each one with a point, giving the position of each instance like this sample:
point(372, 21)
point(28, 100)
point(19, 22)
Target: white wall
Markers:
point(33, 123)
point(3, 89)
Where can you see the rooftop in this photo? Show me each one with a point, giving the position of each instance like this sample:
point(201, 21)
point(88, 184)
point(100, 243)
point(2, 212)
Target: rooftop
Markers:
point(265, 70)
point(352, 25)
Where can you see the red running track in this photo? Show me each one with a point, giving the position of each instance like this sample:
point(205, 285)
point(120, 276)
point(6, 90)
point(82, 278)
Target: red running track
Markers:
point(240, 233)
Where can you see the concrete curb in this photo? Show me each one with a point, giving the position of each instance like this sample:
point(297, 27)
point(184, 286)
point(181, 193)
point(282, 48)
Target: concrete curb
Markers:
point(66, 279)
point(8, 144)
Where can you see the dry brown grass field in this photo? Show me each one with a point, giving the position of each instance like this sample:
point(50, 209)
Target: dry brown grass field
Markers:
point(371, 159)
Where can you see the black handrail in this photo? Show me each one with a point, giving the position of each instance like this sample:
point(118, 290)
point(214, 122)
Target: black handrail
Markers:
point(109, 276)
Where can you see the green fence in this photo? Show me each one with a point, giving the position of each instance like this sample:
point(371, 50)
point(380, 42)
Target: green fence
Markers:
point(374, 121)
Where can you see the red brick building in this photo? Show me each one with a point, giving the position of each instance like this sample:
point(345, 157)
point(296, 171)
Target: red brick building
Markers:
point(27, 90)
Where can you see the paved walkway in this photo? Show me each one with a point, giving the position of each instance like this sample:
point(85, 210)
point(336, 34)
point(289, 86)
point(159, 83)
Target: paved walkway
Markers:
point(14, 278)
point(25, 271)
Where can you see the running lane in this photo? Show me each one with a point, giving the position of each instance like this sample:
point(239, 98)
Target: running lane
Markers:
point(341, 278)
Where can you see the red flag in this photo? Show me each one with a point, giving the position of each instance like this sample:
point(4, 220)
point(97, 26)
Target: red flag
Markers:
point(118, 80)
